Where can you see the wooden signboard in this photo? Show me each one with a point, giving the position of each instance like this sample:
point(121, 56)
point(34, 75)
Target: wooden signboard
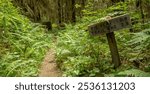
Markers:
point(120, 22)
point(99, 28)
point(108, 27)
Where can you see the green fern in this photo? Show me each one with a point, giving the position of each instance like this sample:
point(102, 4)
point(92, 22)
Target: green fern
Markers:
point(140, 45)
point(133, 73)
point(22, 43)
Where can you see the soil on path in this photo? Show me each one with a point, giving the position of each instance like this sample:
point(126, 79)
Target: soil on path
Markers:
point(49, 67)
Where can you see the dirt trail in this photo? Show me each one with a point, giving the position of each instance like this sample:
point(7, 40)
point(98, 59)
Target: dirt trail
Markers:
point(49, 67)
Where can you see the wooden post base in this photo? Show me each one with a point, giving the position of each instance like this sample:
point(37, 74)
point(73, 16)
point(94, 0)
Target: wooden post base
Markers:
point(114, 50)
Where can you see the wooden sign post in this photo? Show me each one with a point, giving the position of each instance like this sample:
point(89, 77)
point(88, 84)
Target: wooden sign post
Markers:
point(108, 27)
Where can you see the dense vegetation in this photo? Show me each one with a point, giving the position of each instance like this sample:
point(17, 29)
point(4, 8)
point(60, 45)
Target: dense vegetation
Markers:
point(23, 43)
point(83, 55)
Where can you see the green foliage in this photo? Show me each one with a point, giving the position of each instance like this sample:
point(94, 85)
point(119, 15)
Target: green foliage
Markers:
point(141, 40)
point(129, 73)
point(119, 7)
point(80, 54)
point(140, 45)
point(133, 73)
point(22, 43)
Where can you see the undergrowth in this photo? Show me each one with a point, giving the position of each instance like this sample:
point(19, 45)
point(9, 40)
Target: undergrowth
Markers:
point(22, 43)
point(80, 54)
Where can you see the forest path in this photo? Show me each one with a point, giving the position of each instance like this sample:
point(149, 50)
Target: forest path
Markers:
point(49, 67)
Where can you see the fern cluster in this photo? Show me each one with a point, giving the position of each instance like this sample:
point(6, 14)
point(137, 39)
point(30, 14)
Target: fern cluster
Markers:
point(22, 43)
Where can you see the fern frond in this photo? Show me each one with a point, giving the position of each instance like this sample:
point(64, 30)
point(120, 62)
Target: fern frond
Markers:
point(133, 73)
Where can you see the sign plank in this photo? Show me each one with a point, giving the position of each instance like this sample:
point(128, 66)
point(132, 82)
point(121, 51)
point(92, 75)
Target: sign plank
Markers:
point(120, 22)
point(99, 28)
point(110, 25)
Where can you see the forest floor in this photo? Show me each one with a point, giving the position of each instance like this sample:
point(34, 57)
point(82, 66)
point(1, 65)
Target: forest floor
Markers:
point(49, 66)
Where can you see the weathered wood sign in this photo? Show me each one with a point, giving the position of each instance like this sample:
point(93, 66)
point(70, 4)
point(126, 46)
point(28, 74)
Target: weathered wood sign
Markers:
point(108, 27)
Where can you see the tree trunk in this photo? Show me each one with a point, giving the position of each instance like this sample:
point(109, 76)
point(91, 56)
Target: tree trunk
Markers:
point(59, 12)
point(141, 9)
point(82, 7)
point(116, 1)
point(73, 11)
